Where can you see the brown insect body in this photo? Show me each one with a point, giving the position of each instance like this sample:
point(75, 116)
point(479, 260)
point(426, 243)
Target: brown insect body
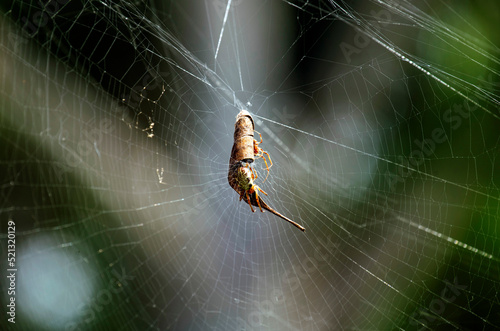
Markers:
point(242, 151)
point(243, 146)
point(261, 203)
point(241, 176)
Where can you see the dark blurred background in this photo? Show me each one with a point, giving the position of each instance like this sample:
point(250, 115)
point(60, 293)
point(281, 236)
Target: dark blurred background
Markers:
point(381, 119)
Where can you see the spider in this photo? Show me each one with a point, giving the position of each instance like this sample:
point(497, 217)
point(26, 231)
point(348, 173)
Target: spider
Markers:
point(241, 176)
point(259, 152)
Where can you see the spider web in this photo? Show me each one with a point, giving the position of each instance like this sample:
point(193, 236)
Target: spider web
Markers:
point(381, 119)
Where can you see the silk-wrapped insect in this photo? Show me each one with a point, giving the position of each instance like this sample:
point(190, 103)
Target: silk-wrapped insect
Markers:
point(241, 175)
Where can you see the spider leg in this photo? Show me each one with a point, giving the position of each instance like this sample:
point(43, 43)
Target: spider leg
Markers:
point(269, 157)
point(259, 152)
point(248, 197)
point(254, 173)
point(260, 189)
point(257, 197)
point(262, 152)
point(255, 141)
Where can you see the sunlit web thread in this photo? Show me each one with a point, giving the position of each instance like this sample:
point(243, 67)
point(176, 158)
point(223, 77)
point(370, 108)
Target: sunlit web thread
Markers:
point(222, 28)
point(212, 79)
point(392, 48)
point(194, 67)
point(388, 284)
point(281, 144)
point(219, 84)
point(383, 159)
point(416, 225)
point(448, 239)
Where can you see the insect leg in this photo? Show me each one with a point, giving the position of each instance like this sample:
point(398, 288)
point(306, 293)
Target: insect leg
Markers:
point(257, 197)
point(249, 203)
